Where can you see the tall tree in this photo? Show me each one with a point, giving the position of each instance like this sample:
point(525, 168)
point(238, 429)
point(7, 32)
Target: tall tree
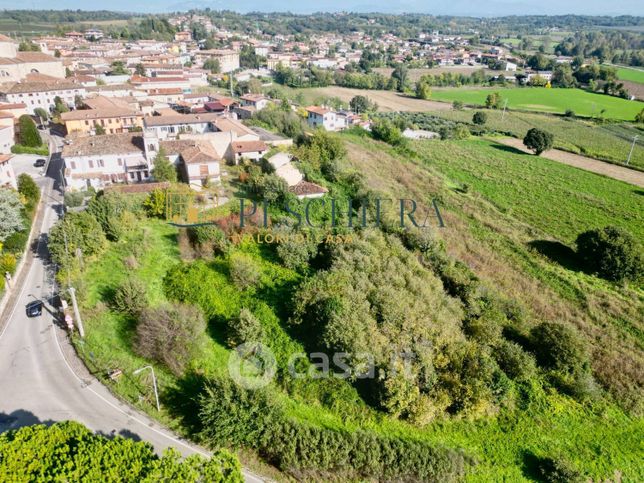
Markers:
point(163, 169)
point(29, 135)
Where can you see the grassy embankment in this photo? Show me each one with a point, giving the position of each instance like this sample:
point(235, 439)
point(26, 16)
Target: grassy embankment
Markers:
point(513, 200)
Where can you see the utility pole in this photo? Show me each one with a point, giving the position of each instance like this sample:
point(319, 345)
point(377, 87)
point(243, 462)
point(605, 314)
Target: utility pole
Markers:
point(631, 151)
point(154, 383)
point(230, 75)
point(505, 106)
point(79, 322)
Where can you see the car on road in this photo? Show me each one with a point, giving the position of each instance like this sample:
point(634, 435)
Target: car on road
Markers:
point(40, 163)
point(34, 309)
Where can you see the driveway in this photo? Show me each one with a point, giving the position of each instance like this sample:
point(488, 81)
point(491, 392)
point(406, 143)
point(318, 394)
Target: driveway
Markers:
point(24, 163)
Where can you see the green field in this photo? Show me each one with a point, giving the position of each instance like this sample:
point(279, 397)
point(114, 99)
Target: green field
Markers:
point(631, 74)
point(609, 141)
point(548, 100)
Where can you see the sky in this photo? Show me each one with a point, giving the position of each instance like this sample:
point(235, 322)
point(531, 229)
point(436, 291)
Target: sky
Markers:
point(436, 7)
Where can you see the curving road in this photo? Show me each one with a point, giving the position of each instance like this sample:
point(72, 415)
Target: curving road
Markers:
point(41, 380)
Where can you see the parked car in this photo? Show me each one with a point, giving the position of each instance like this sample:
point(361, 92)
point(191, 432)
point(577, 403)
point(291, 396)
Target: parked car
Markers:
point(34, 309)
point(40, 163)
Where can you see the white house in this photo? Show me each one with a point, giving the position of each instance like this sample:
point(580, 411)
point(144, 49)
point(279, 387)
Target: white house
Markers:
point(321, 117)
point(39, 90)
point(172, 125)
point(98, 161)
point(7, 176)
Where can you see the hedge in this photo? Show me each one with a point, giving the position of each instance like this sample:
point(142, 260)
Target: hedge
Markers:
point(20, 149)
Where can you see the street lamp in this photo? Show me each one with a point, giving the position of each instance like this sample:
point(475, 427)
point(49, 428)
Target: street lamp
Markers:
point(154, 383)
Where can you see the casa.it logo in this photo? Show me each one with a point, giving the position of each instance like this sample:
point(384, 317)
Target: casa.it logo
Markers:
point(252, 365)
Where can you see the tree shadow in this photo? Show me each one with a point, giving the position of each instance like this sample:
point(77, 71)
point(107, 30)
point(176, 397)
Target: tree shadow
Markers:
point(558, 253)
point(510, 149)
point(19, 418)
point(531, 466)
point(639, 192)
point(182, 400)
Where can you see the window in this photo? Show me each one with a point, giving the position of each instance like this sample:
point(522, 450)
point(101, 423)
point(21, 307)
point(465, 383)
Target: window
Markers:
point(91, 163)
point(73, 165)
point(119, 161)
point(101, 163)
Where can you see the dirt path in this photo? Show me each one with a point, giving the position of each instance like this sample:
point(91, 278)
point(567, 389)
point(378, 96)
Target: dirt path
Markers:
point(611, 170)
point(386, 100)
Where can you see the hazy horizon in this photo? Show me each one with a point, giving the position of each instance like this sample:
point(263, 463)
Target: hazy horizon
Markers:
point(493, 8)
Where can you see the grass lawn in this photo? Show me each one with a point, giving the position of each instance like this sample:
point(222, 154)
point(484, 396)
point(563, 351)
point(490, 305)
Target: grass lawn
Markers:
point(547, 100)
point(610, 141)
point(568, 200)
point(632, 74)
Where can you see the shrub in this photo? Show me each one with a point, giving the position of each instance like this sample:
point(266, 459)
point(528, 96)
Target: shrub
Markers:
point(74, 199)
point(640, 117)
point(110, 211)
point(244, 329)
point(387, 131)
point(244, 271)
point(170, 334)
point(559, 347)
point(28, 188)
point(75, 231)
point(7, 263)
point(130, 297)
point(479, 118)
point(569, 113)
point(514, 361)
point(29, 135)
point(457, 105)
point(612, 253)
point(538, 140)
point(163, 169)
point(69, 451)
point(208, 239)
point(155, 203)
point(554, 470)
point(460, 131)
point(296, 254)
point(20, 149)
point(493, 101)
point(16, 242)
point(233, 416)
point(11, 219)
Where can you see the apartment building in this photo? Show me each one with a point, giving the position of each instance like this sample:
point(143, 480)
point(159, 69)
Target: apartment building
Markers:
point(40, 91)
point(228, 59)
point(169, 126)
point(106, 120)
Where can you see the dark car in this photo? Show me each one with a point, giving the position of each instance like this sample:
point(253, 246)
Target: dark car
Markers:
point(34, 309)
point(40, 163)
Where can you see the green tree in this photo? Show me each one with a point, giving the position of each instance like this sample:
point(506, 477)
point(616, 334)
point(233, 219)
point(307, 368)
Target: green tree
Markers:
point(98, 129)
point(130, 297)
point(493, 101)
point(559, 347)
point(118, 68)
point(139, 69)
point(155, 203)
point(479, 118)
point(640, 116)
point(213, 65)
point(387, 131)
point(29, 135)
point(361, 104)
point(457, 105)
point(538, 140)
point(77, 230)
point(401, 75)
point(163, 169)
point(611, 252)
point(244, 329)
point(27, 454)
point(423, 90)
point(41, 113)
point(10, 213)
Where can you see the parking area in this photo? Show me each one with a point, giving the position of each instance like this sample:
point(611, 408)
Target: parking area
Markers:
point(24, 163)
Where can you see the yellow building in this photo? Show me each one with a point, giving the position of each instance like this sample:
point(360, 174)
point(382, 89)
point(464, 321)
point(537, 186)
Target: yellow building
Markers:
point(111, 120)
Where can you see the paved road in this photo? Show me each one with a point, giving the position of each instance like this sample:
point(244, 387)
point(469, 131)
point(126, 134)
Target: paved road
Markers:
point(40, 378)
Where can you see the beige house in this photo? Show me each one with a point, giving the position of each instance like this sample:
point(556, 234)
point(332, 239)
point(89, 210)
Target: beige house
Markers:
point(15, 65)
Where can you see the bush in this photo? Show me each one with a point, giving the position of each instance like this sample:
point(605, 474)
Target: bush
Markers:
point(244, 271)
point(11, 217)
point(559, 347)
point(612, 253)
point(170, 334)
point(28, 188)
point(110, 211)
point(514, 361)
point(233, 416)
point(387, 131)
point(29, 135)
point(155, 203)
point(558, 471)
point(20, 149)
point(68, 451)
point(208, 239)
point(244, 329)
point(538, 140)
point(74, 199)
point(479, 118)
point(130, 297)
point(7, 263)
point(75, 231)
point(16, 242)
point(457, 105)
